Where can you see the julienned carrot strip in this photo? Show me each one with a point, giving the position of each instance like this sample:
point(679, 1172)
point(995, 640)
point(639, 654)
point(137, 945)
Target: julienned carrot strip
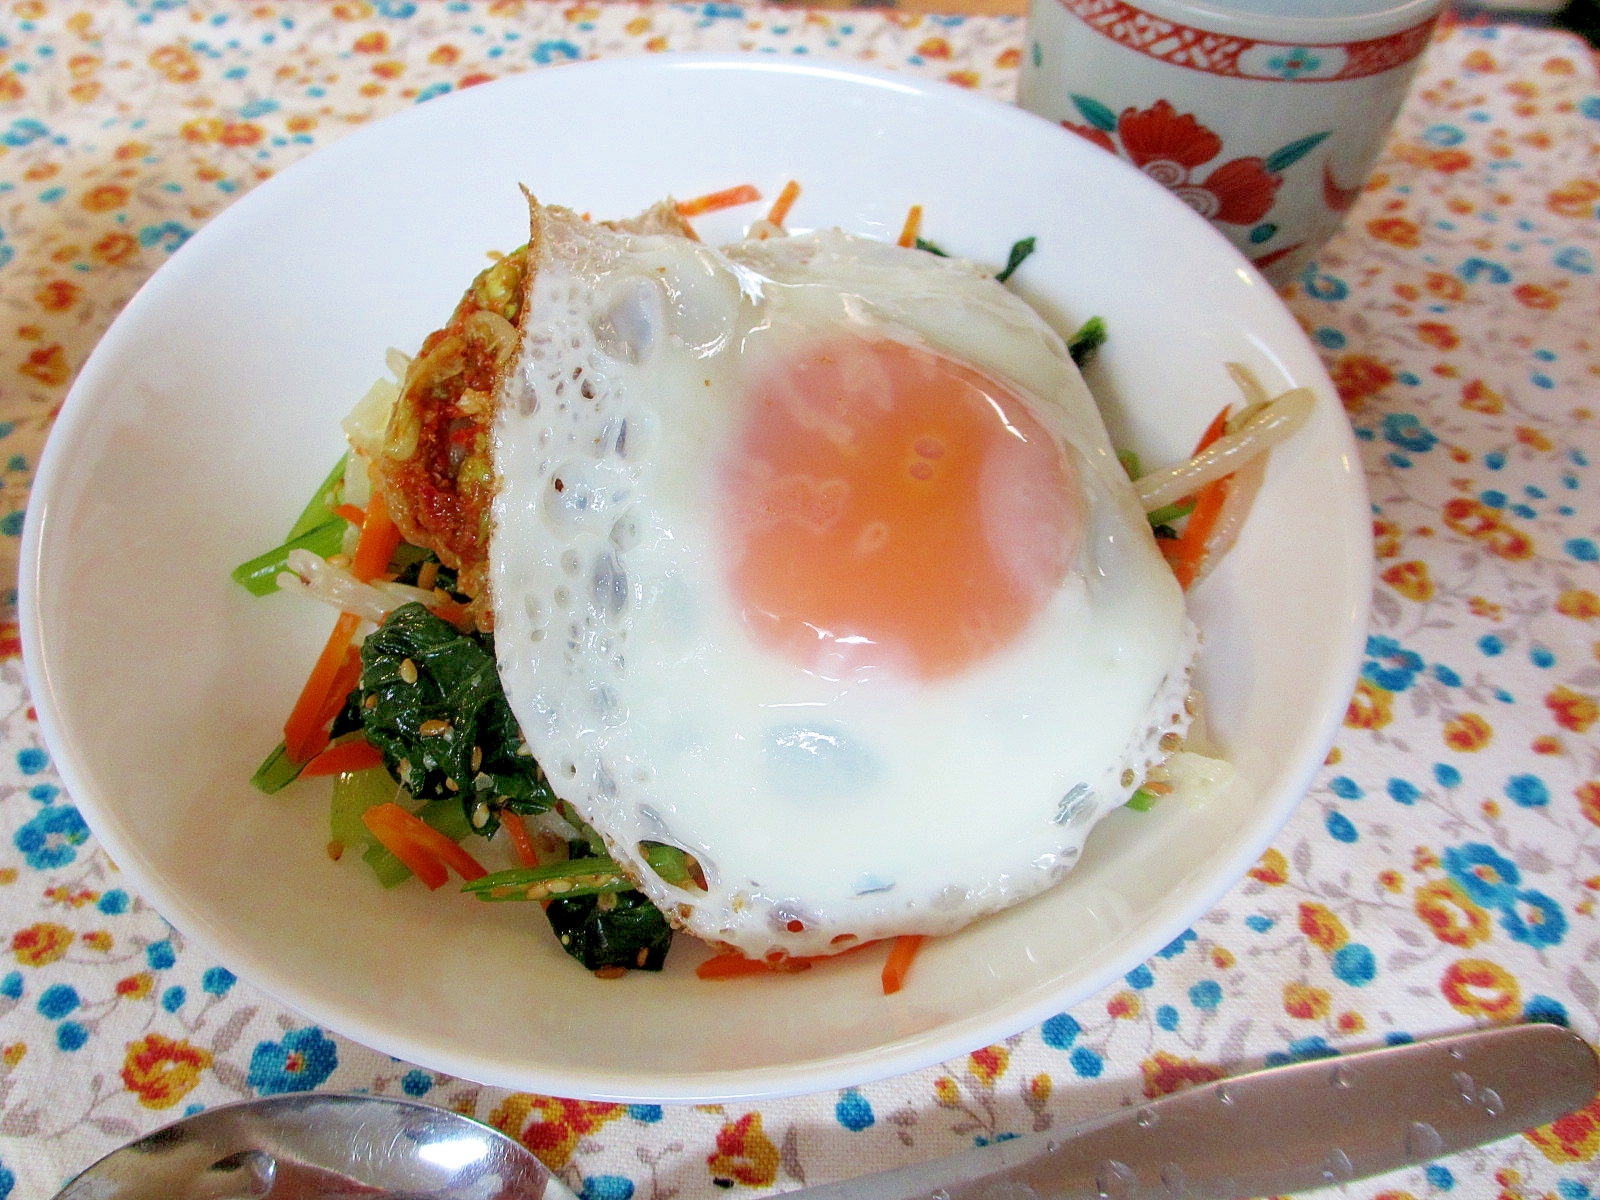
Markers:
point(734, 965)
point(302, 731)
point(388, 821)
point(912, 228)
point(1218, 427)
point(898, 965)
point(713, 201)
point(1189, 552)
point(345, 678)
point(380, 537)
point(351, 513)
point(346, 756)
point(394, 836)
point(784, 202)
point(521, 843)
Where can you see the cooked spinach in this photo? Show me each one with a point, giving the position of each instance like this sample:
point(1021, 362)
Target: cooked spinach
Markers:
point(622, 929)
point(431, 701)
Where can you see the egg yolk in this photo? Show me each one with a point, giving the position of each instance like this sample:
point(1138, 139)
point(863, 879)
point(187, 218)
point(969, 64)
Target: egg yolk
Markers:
point(894, 508)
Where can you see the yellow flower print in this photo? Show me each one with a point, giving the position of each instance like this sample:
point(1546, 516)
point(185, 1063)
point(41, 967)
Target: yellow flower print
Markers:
point(989, 1064)
point(1467, 732)
point(1411, 580)
point(1323, 926)
point(551, 1126)
point(1477, 987)
point(1575, 198)
point(177, 63)
point(40, 943)
point(744, 1155)
point(1572, 710)
point(1271, 869)
point(1165, 1073)
point(946, 1092)
point(1370, 708)
point(1125, 1005)
point(161, 1071)
point(1385, 538)
point(1351, 1022)
point(1453, 916)
point(1573, 1138)
point(1588, 794)
point(1478, 396)
point(14, 1053)
point(1579, 603)
point(1305, 1002)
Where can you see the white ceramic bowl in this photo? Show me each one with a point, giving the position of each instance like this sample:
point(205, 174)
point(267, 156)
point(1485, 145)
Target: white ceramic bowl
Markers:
point(210, 411)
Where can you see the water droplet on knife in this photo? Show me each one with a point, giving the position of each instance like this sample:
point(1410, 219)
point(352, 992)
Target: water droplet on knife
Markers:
point(1172, 1176)
point(1423, 1141)
point(1224, 1095)
point(1456, 1052)
point(1115, 1180)
point(1146, 1118)
point(1343, 1078)
point(1051, 1147)
point(1337, 1167)
point(1492, 1104)
point(1465, 1087)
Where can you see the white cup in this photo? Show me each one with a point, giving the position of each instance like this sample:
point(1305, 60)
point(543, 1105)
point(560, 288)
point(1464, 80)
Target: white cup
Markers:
point(1264, 115)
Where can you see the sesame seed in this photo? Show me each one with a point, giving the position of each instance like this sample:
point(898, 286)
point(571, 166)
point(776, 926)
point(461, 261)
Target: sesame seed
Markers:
point(557, 886)
point(408, 670)
point(477, 758)
point(480, 815)
point(451, 784)
point(644, 956)
point(1128, 777)
point(371, 701)
point(1171, 743)
point(433, 727)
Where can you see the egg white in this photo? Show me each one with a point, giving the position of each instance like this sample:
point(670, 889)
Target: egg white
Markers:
point(825, 807)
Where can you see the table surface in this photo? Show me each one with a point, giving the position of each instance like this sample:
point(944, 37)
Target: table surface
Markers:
point(1441, 873)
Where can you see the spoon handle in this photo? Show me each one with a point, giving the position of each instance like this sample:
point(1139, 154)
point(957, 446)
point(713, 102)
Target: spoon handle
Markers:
point(1285, 1129)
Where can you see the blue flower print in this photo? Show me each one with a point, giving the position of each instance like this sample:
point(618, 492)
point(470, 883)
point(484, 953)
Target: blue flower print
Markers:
point(51, 839)
point(1405, 431)
point(1534, 920)
point(1303, 1049)
point(606, 1187)
point(853, 1111)
point(1392, 667)
point(302, 1061)
point(1527, 791)
point(1060, 1031)
point(1488, 878)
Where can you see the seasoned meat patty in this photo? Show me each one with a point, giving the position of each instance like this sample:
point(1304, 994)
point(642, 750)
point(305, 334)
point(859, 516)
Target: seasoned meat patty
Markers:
point(436, 469)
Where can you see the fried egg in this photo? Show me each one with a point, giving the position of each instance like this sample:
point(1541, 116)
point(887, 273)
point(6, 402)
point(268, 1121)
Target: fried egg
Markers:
point(811, 557)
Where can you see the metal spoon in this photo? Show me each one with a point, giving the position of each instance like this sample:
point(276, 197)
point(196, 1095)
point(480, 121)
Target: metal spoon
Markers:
point(1285, 1129)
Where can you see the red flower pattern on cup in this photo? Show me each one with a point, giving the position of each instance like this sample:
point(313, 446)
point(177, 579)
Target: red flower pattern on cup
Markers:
point(1173, 147)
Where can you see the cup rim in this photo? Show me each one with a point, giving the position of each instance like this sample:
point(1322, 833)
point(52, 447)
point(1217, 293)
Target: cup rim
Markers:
point(1216, 16)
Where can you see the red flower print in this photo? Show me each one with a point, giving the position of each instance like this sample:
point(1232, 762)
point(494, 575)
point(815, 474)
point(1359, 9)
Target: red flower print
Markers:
point(1171, 147)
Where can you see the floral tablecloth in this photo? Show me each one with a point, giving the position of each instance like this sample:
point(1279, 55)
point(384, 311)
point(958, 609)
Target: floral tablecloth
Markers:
point(1442, 873)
